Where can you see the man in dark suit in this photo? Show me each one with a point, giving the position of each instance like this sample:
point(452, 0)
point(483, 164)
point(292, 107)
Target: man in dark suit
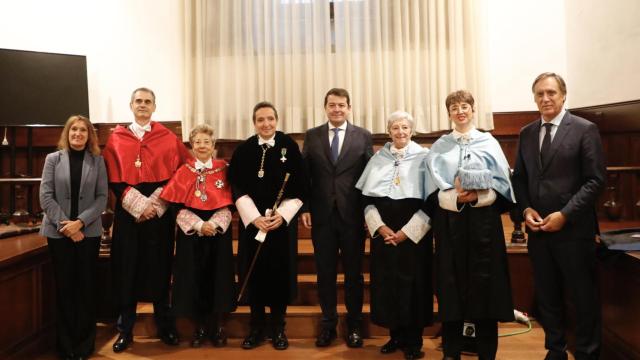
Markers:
point(335, 155)
point(558, 175)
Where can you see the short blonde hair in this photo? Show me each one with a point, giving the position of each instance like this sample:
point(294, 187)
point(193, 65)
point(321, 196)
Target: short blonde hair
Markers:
point(92, 137)
point(201, 129)
point(400, 115)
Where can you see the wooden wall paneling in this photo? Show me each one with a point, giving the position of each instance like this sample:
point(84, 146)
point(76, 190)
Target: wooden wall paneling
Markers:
point(619, 117)
point(510, 123)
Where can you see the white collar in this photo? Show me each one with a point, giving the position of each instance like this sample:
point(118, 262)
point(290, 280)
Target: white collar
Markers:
point(342, 127)
point(271, 142)
point(465, 136)
point(139, 130)
point(556, 120)
point(398, 152)
point(204, 165)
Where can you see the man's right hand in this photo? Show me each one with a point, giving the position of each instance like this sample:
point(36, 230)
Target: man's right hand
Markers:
point(262, 223)
point(532, 219)
point(207, 229)
point(306, 219)
point(148, 213)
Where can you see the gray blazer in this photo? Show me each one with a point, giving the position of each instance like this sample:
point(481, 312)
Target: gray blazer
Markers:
point(55, 193)
point(335, 183)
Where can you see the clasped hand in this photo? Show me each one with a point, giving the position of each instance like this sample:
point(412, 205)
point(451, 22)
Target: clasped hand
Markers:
point(148, 213)
point(553, 222)
point(208, 229)
point(268, 223)
point(71, 229)
point(465, 196)
point(390, 237)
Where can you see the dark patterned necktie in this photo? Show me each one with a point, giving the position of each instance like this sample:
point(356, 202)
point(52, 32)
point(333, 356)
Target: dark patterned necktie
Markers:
point(546, 144)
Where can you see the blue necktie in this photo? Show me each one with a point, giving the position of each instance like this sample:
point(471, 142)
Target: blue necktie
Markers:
point(335, 145)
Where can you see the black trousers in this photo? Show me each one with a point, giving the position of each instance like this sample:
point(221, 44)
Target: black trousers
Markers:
point(162, 314)
point(486, 338)
point(331, 240)
point(74, 266)
point(561, 264)
point(407, 337)
point(259, 317)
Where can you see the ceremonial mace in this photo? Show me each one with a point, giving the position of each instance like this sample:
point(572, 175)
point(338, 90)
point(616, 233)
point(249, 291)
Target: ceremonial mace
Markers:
point(255, 256)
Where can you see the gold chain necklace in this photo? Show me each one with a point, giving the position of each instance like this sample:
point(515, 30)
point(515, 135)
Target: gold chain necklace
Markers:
point(202, 178)
point(265, 147)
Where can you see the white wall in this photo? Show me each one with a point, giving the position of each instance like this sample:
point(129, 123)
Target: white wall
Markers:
point(128, 44)
point(526, 38)
point(603, 51)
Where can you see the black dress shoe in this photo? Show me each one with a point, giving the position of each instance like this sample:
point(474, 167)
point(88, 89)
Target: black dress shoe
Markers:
point(122, 343)
point(255, 338)
point(556, 355)
point(199, 337)
point(354, 338)
point(279, 340)
point(411, 353)
point(325, 337)
point(170, 337)
point(390, 347)
point(219, 338)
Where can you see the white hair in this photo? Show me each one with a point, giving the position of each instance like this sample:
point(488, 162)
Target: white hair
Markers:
point(400, 115)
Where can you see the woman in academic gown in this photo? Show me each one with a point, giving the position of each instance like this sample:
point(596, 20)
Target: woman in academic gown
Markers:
point(394, 185)
point(73, 195)
point(257, 174)
point(203, 287)
point(470, 189)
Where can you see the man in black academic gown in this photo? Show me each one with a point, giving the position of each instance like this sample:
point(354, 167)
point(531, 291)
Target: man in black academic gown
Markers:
point(257, 174)
point(140, 159)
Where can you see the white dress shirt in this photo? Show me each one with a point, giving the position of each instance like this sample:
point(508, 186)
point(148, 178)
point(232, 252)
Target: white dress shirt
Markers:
point(343, 130)
point(138, 130)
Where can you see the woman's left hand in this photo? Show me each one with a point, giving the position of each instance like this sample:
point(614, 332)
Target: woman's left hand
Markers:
point(70, 227)
point(468, 196)
point(77, 237)
point(275, 220)
point(396, 238)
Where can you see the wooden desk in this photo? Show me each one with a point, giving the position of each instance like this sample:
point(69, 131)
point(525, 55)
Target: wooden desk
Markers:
point(27, 307)
point(619, 276)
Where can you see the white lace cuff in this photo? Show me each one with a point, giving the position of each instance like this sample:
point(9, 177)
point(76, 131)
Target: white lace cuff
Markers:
point(417, 227)
point(159, 204)
point(448, 200)
point(134, 202)
point(288, 209)
point(373, 219)
point(188, 222)
point(221, 219)
point(485, 198)
point(247, 210)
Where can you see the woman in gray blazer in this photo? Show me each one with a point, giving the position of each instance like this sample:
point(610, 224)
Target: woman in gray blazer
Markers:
point(73, 194)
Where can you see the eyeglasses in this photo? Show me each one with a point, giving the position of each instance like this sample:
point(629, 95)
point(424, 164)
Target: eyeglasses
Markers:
point(456, 109)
